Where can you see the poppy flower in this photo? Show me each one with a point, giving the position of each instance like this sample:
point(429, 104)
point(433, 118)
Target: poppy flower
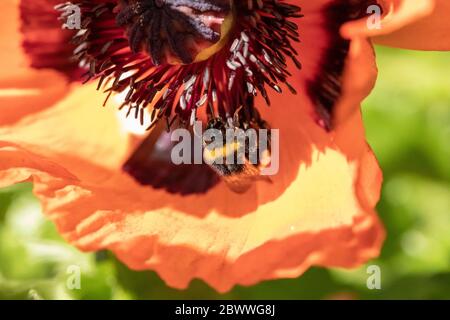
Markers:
point(107, 184)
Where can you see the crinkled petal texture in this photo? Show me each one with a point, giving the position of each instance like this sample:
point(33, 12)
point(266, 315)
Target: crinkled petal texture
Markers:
point(410, 24)
point(318, 210)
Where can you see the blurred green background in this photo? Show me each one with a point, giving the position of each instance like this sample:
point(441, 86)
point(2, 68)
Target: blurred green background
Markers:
point(408, 125)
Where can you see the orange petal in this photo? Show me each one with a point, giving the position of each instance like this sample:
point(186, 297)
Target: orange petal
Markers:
point(27, 91)
point(410, 24)
point(39, 42)
point(23, 91)
point(12, 56)
point(318, 210)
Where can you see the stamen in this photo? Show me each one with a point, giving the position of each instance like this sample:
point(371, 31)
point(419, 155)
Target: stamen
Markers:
point(253, 57)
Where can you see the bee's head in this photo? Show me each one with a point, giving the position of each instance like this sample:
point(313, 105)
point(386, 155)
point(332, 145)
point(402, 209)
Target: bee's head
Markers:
point(217, 123)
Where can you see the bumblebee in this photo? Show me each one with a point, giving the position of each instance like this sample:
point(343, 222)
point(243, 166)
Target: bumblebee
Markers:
point(240, 152)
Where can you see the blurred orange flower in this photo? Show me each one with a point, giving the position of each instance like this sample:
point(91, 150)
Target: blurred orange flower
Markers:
point(317, 211)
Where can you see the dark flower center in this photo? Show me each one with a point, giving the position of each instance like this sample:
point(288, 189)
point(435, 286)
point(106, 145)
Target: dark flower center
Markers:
point(133, 54)
point(187, 60)
point(173, 31)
